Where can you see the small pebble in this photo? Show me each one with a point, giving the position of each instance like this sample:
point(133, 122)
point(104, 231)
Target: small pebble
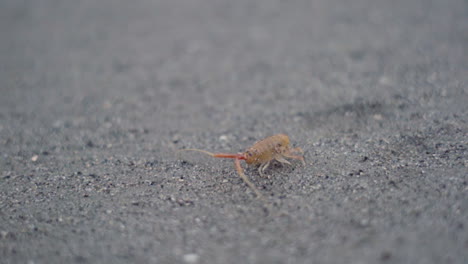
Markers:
point(57, 124)
point(3, 234)
point(378, 117)
point(34, 158)
point(191, 258)
point(384, 80)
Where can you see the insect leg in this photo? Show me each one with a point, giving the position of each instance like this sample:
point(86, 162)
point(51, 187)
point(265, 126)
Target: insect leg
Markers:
point(262, 168)
point(297, 150)
point(240, 171)
point(282, 160)
point(292, 156)
point(218, 155)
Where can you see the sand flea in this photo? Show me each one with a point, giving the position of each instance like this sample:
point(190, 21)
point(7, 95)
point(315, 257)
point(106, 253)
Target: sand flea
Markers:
point(261, 154)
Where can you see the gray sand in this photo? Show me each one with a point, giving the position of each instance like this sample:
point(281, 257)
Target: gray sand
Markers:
point(97, 96)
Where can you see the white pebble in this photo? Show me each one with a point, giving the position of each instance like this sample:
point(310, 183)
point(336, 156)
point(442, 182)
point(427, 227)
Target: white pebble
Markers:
point(191, 258)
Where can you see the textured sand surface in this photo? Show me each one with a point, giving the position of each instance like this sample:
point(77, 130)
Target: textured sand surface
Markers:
point(96, 96)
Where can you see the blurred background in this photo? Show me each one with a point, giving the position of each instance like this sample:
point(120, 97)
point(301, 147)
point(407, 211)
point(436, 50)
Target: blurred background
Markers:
point(96, 97)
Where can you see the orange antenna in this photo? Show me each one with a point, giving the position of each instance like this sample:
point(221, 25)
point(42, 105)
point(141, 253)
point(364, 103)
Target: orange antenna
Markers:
point(218, 155)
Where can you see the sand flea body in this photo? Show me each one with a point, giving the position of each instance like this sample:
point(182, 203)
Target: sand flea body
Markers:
point(261, 154)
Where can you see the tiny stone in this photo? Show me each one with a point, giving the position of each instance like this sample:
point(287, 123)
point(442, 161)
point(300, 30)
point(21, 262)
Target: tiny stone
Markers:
point(34, 158)
point(364, 222)
point(223, 138)
point(175, 138)
point(191, 258)
point(378, 117)
point(443, 93)
point(386, 255)
point(57, 124)
point(384, 80)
